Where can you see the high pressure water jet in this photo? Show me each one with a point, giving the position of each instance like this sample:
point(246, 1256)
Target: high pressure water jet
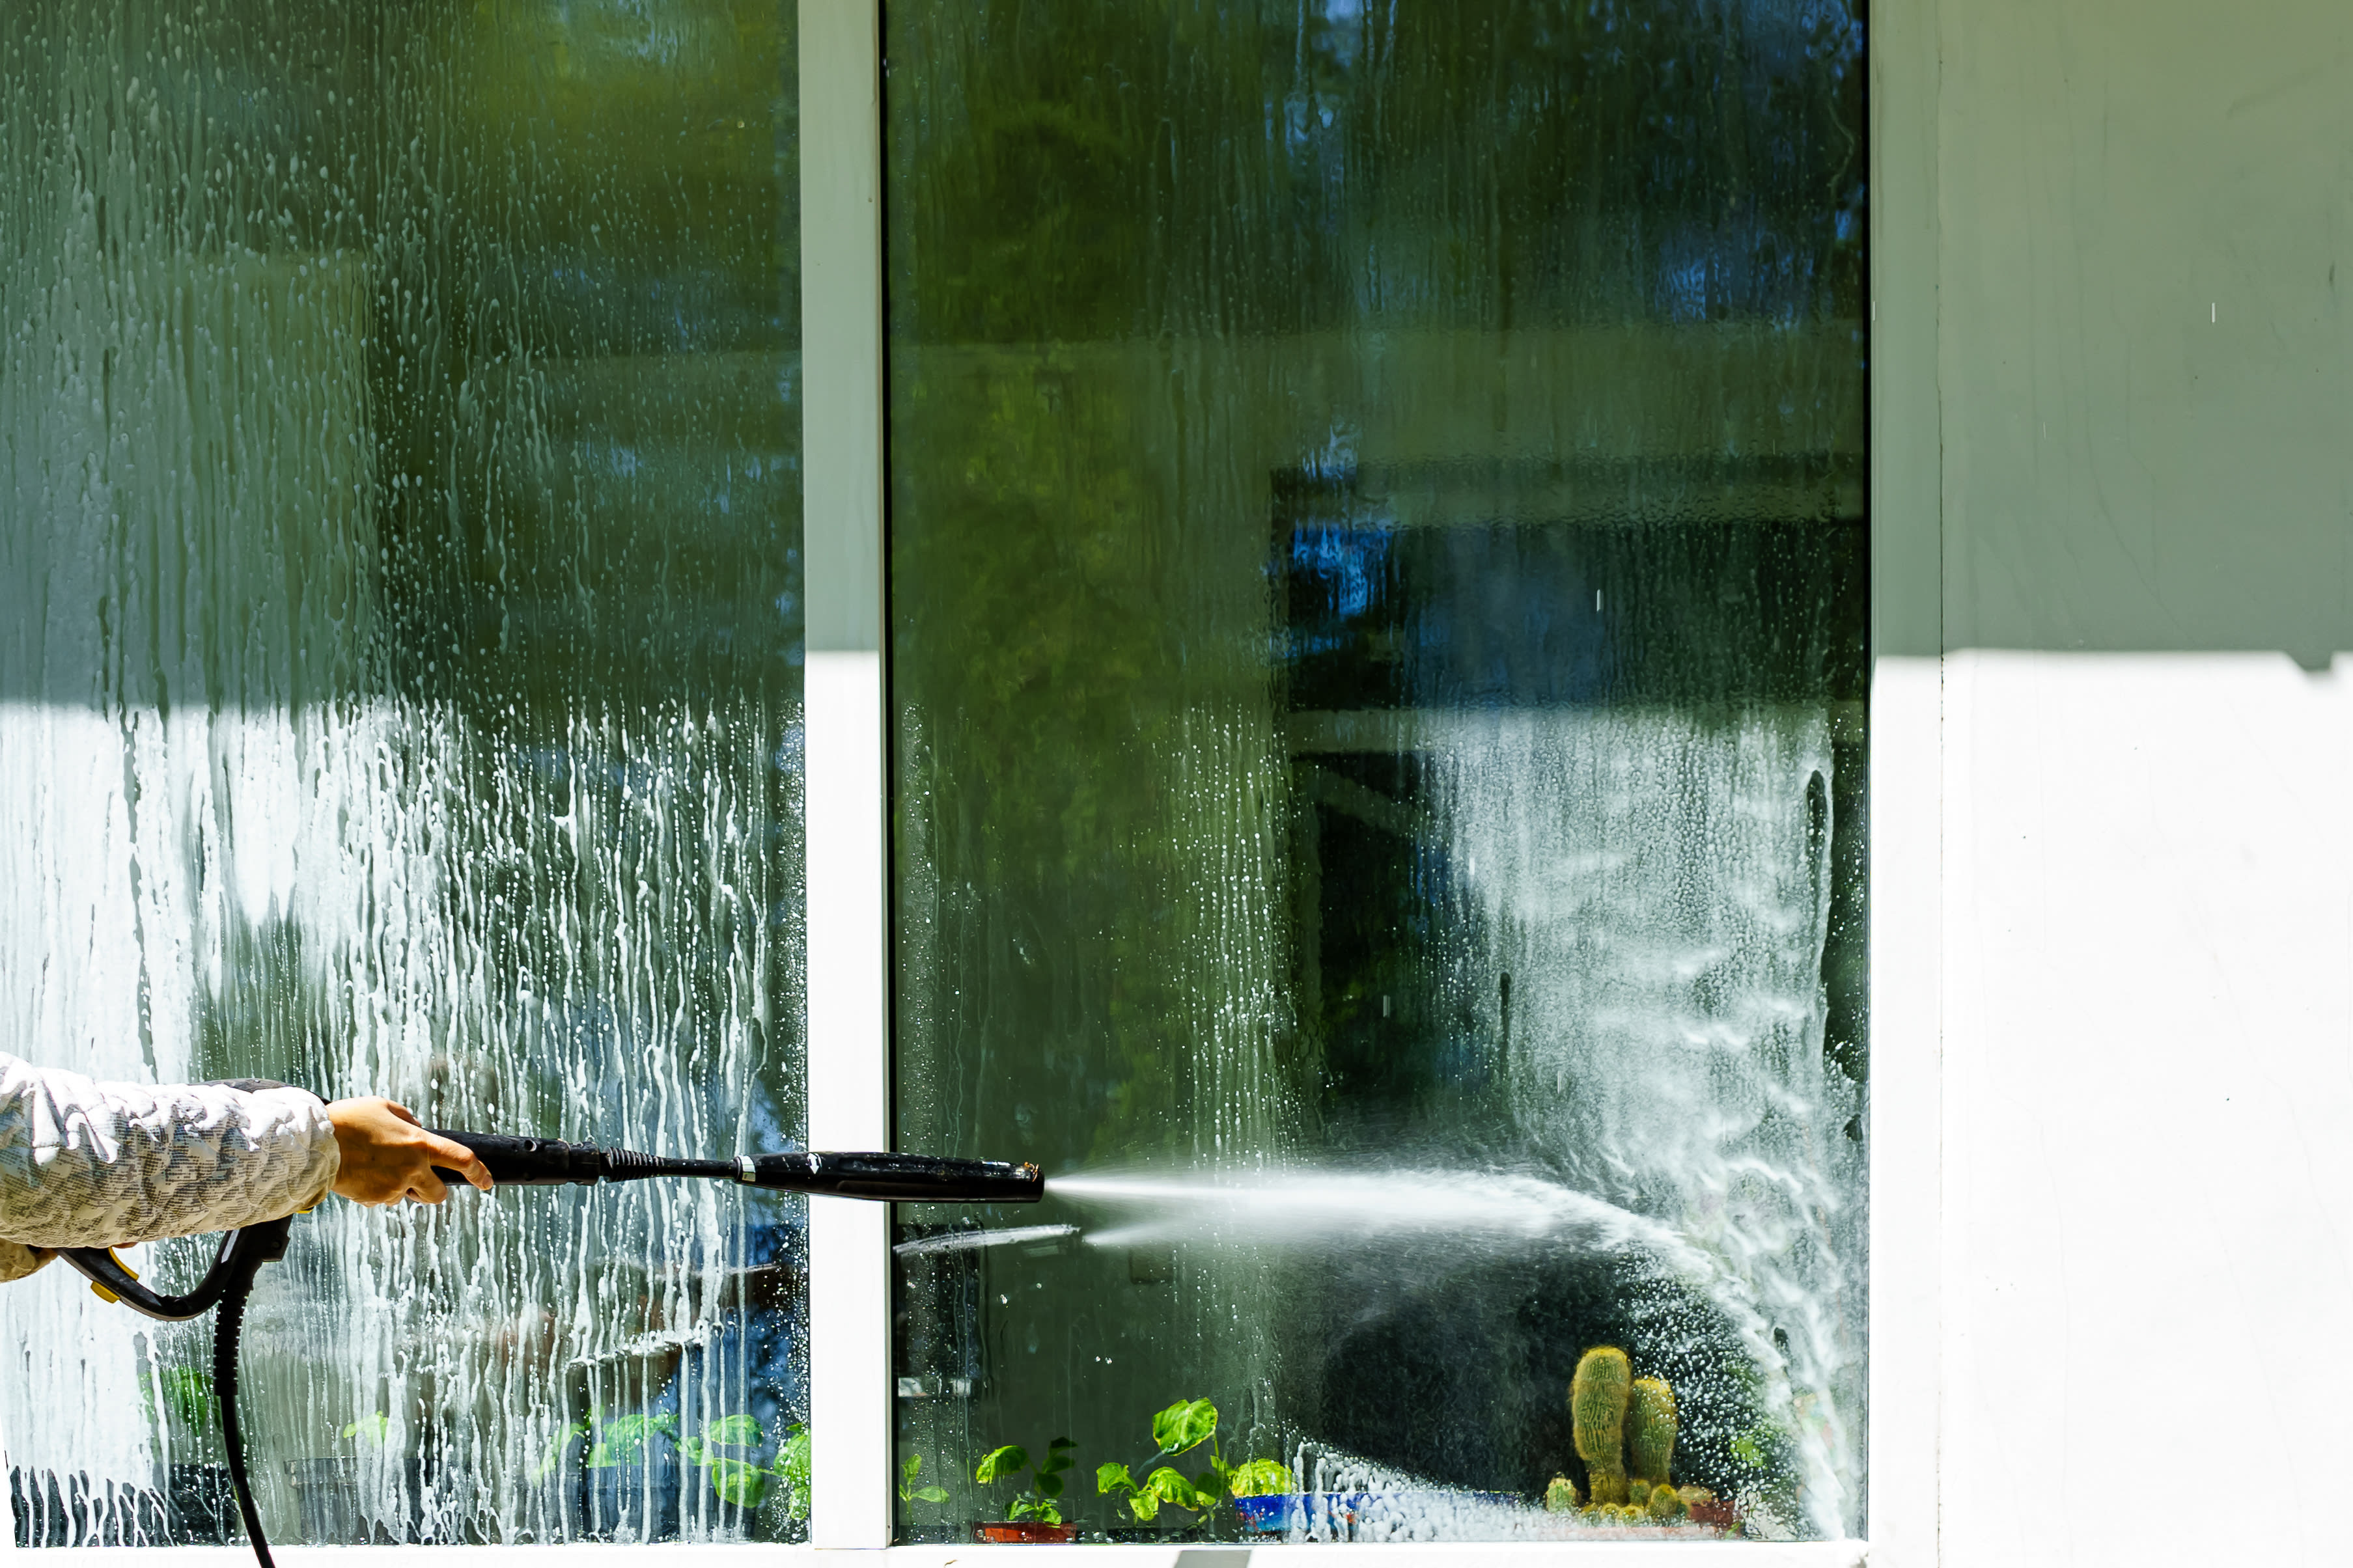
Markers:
point(538, 1162)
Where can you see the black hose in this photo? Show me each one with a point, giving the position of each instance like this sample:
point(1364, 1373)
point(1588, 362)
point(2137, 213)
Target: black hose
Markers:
point(228, 1330)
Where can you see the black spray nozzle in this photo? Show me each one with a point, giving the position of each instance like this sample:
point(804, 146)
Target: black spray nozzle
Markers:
point(896, 1178)
point(886, 1178)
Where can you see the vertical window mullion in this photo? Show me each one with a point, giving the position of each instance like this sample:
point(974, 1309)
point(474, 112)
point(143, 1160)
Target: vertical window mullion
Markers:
point(849, 1338)
point(1907, 804)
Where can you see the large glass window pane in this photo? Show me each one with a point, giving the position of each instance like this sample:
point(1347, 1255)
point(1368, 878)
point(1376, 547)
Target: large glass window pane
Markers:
point(1378, 593)
point(399, 693)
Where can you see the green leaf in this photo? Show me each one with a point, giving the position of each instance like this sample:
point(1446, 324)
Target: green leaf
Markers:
point(696, 1454)
point(622, 1440)
point(1049, 1484)
point(189, 1392)
point(1185, 1425)
point(1259, 1477)
point(1170, 1486)
point(739, 1481)
point(554, 1455)
point(1114, 1477)
point(371, 1429)
point(738, 1431)
point(929, 1494)
point(1006, 1461)
point(792, 1467)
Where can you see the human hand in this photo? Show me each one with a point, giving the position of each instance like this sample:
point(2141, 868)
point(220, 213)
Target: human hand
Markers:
point(388, 1157)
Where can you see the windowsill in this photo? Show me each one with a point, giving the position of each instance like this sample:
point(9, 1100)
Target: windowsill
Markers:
point(681, 1554)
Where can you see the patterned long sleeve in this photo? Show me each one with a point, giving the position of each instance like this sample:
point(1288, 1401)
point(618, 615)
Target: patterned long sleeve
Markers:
point(84, 1164)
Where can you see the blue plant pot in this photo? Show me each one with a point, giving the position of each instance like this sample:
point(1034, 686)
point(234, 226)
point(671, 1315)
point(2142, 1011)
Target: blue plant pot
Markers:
point(1283, 1513)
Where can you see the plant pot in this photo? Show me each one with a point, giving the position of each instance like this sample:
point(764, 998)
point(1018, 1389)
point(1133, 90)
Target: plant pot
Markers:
point(1300, 1513)
point(201, 1510)
point(1719, 1513)
point(632, 1504)
point(660, 1499)
point(333, 1497)
point(1026, 1533)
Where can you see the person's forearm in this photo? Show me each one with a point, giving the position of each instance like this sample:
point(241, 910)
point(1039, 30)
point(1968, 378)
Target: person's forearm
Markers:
point(90, 1164)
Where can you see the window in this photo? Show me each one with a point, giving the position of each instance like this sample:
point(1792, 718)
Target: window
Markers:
point(1378, 597)
point(400, 691)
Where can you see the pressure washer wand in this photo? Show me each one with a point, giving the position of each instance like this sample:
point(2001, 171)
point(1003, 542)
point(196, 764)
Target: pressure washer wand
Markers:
point(881, 1178)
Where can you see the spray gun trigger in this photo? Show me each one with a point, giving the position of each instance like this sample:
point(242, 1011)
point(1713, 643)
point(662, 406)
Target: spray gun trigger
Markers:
point(100, 1292)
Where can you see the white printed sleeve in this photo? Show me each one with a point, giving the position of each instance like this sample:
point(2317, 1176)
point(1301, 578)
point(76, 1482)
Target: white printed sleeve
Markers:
point(84, 1164)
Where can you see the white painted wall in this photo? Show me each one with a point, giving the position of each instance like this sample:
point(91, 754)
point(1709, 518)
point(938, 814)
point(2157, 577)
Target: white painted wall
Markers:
point(2145, 453)
point(2149, 997)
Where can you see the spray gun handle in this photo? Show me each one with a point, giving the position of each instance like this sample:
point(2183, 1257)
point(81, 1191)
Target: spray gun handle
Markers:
point(241, 1251)
point(527, 1162)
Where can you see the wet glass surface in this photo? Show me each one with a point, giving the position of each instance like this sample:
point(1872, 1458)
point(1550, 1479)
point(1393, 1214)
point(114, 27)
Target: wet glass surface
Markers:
point(400, 693)
point(1378, 598)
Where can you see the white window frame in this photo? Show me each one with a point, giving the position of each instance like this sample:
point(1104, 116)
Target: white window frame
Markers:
point(850, 1069)
point(850, 1385)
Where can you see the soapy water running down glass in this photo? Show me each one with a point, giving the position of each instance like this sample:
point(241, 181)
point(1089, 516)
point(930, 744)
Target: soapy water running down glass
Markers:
point(399, 694)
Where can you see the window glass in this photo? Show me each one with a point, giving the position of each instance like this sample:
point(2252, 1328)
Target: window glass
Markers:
point(399, 693)
point(1378, 599)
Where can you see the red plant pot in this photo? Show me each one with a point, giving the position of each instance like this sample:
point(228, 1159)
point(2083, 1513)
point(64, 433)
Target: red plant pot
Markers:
point(1026, 1532)
point(1719, 1513)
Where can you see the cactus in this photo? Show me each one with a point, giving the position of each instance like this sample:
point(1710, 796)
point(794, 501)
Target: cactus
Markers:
point(1666, 1507)
point(1597, 1414)
point(1651, 1433)
point(1560, 1497)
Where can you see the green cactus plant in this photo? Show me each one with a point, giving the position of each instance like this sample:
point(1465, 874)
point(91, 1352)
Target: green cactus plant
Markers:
point(1666, 1507)
point(1651, 1434)
point(1560, 1497)
point(1597, 1396)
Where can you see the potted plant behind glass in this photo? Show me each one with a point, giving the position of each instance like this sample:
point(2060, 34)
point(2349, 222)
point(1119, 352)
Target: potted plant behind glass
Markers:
point(911, 1472)
point(1178, 1430)
point(637, 1489)
point(1035, 1514)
